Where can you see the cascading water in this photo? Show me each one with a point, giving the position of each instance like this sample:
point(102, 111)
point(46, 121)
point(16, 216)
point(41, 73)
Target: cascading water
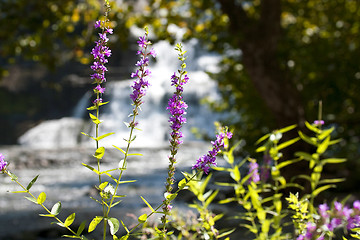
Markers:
point(153, 119)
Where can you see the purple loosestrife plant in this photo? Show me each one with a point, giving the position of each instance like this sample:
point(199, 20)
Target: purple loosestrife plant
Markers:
point(206, 161)
point(253, 171)
point(3, 163)
point(177, 109)
point(329, 220)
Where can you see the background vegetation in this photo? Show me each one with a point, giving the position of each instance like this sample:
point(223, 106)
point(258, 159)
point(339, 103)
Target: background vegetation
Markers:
point(280, 58)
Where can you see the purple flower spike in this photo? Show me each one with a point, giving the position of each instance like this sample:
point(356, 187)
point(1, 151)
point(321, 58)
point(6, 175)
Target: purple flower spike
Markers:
point(3, 164)
point(140, 83)
point(206, 161)
point(254, 171)
point(100, 53)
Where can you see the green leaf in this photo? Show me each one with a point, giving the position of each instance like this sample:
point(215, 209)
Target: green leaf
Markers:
point(287, 143)
point(91, 168)
point(134, 154)
point(32, 183)
point(124, 237)
point(99, 153)
point(119, 149)
point(94, 119)
point(325, 133)
point(261, 149)
point(228, 200)
point(323, 146)
point(13, 176)
point(92, 108)
point(81, 228)
point(55, 210)
point(235, 174)
point(225, 233)
point(307, 139)
point(96, 220)
point(114, 225)
point(304, 155)
point(115, 203)
point(104, 136)
point(41, 198)
point(262, 138)
point(126, 229)
point(70, 236)
point(47, 215)
point(321, 189)
point(333, 160)
point(211, 198)
point(170, 196)
point(182, 184)
point(88, 135)
point(69, 220)
point(334, 180)
point(103, 103)
point(31, 199)
point(148, 204)
point(312, 128)
point(128, 181)
point(288, 162)
point(286, 129)
point(103, 185)
point(142, 218)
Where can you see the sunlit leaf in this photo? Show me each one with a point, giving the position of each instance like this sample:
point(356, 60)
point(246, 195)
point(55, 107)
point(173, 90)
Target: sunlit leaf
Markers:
point(32, 182)
point(41, 198)
point(148, 204)
point(142, 218)
point(104, 136)
point(56, 208)
point(96, 220)
point(69, 220)
point(114, 225)
point(99, 153)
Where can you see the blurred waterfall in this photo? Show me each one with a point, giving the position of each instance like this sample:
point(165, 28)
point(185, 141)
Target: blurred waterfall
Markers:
point(153, 119)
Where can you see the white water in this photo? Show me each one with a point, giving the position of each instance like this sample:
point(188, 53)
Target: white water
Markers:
point(153, 119)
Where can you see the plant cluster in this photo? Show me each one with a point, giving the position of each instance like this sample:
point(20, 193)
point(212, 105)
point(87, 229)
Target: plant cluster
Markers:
point(261, 192)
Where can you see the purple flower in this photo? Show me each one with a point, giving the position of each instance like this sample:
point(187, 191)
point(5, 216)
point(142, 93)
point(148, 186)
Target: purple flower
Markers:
point(3, 164)
point(98, 24)
point(334, 223)
point(205, 161)
point(100, 53)
point(254, 171)
point(140, 83)
point(143, 42)
point(99, 89)
point(97, 101)
point(356, 205)
point(319, 122)
point(323, 208)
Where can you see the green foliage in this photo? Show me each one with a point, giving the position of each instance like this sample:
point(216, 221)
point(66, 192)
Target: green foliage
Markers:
point(309, 45)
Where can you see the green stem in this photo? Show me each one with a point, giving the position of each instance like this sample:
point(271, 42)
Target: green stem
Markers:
point(42, 205)
point(162, 204)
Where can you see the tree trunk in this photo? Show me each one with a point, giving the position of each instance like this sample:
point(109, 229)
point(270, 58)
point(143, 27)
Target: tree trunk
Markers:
point(259, 44)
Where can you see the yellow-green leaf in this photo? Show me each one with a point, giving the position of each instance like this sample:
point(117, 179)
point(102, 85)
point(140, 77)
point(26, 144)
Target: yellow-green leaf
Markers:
point(96, 220)
point(41, 198)
point(69, 220)
point(142, 218)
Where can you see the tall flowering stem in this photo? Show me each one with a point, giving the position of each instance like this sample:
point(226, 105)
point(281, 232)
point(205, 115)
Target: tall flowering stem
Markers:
point(100, 54)
point(139, 86)
point(177, 109)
